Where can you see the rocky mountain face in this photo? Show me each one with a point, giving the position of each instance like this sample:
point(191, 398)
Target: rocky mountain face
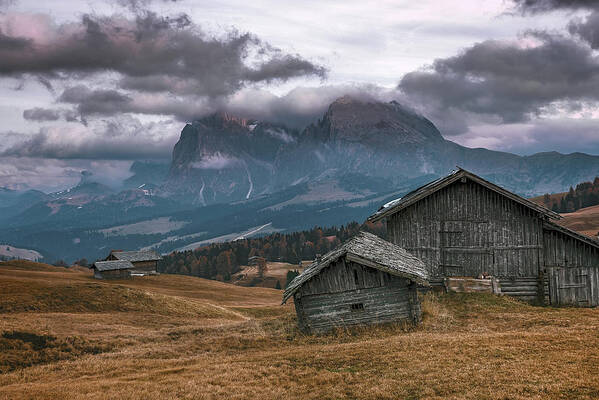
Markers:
point(222, 158)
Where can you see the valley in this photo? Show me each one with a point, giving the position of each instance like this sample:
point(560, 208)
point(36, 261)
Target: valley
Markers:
point(232, 177)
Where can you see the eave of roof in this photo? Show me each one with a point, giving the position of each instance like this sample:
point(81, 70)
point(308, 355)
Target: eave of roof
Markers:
point(137, 256)
point(432, 187)
point(357, 249)
point(112, 265)
point(555, 227)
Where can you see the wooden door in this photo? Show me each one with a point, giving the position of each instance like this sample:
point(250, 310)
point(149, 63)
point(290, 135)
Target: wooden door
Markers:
point(569, 286)
point(465, 248)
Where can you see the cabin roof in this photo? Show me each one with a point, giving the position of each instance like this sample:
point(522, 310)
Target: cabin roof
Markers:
point(552, 226)
point(372, 251)
point(136, 256)
point(112, 265)
point(420, 193)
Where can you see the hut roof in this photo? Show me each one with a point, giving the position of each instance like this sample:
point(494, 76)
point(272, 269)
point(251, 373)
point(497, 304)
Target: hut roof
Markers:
point(424, 191)
point(112, 265)
point(549, 225)
point(370, 250)
point(137, 256)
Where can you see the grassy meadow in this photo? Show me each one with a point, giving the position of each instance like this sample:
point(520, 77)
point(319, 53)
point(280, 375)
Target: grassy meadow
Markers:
point(64, 335)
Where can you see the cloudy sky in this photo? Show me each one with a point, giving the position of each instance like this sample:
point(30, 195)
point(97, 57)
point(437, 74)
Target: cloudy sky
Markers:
point(95, 84)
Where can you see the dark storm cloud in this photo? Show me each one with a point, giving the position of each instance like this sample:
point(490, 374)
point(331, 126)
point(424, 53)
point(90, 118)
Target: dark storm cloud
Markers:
point(89, 102)
point(41, 114)
point(9, 43)
point(170, 50)
point(508, 81)
point(587, 29)
point(540, 6)
point(137, 5)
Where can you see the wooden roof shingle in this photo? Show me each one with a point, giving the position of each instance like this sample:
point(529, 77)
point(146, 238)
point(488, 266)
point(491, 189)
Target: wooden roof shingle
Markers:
point(372, 251)
point(420, 193)
point(112, 265)
point(137, 256)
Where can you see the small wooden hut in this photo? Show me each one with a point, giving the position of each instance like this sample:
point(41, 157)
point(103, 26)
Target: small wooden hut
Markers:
point(367, 280)
point(115, 269)
point(144, 262)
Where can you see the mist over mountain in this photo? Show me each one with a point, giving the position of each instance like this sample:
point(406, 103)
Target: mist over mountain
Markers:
point(222, 158)
point(233, 177)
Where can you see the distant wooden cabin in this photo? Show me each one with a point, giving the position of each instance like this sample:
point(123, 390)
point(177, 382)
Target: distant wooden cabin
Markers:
point(116, 269)
point(259, 263)
point(367, 280)
point(144, 261)
point(463, 225)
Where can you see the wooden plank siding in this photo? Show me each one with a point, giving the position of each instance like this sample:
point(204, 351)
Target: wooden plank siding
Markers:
point(112, 274)
point(348, 293)
point(465, 229)
point(145, 266)
point(573, 270)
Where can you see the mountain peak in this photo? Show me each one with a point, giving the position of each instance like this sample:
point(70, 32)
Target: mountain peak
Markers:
point(369, 121)
point(222, 119)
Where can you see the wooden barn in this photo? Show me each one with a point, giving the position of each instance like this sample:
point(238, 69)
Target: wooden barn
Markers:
point(145, 262)
point(112, 269)
point(463, 225)
point(367, 280)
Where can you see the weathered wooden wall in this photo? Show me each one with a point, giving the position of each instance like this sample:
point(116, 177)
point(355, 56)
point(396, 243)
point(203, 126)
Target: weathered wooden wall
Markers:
point(113, 274)
point(466, 229)
point(573, 270)
point(347, 294)
point(145, 266)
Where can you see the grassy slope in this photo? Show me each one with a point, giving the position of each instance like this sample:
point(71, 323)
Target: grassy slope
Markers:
point(246, 346)
point(585, 221)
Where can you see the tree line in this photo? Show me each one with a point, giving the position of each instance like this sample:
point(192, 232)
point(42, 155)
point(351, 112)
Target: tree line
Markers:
point(221, 260)
point(585, 194)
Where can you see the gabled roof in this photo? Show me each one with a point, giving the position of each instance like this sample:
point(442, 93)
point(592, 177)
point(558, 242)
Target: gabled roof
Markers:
point(112, 265)
point(137, 256)
point(424, 191)
point(552, 226)
point(372, 251)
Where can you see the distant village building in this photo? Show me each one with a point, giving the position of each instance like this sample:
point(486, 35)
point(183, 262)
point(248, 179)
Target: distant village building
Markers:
point(463, 225)
point(259, 263)
point(367, 280)
point(112, 269)
point(144, 262)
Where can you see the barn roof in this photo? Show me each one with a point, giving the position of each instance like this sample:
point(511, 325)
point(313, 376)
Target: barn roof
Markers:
point(112, 265)
point(137, 256)
point(370, 250)
point(424, 191)
point(552, 226)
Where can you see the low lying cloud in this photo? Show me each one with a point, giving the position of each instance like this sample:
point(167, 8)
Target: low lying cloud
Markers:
point(41, 114)
point(51, 175)
point(302, 105)
point(122, 138)
point(216, 161)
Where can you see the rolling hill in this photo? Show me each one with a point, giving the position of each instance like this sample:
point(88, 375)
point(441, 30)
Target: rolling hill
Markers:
point(65, 335)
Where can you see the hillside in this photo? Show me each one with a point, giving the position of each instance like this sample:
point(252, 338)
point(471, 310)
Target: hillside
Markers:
point(184, 337)
point(585, 221)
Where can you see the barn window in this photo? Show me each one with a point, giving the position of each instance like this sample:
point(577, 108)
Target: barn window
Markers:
point(357, 307)
point(356, 277)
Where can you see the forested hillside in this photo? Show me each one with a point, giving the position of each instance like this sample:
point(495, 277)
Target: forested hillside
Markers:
point(221, 260)
point(585, 194)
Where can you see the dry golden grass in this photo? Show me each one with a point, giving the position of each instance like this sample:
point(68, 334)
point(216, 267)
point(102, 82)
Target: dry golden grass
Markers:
point(469, 346)
point(585, 221)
